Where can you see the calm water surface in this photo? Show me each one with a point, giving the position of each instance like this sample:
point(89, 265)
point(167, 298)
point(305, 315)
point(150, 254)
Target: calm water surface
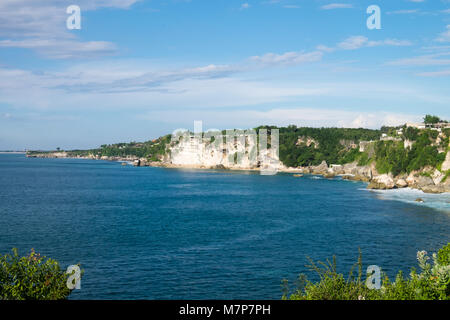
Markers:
point(153, 233)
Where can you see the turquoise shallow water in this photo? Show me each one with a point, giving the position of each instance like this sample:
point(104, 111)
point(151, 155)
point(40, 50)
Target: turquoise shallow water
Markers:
point(153, 233)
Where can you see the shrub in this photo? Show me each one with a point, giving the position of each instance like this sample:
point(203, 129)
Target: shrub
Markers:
point(432, 283)
point(444, 255)
point(31, 277)
point(447, 174)
point(350, 156)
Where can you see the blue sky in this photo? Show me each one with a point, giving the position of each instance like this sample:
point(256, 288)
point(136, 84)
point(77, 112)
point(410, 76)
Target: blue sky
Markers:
point(140, 69)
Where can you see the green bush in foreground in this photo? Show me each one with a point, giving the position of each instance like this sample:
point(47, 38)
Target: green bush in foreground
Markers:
point(444, 255)
point(431, 283)
point(31, 278)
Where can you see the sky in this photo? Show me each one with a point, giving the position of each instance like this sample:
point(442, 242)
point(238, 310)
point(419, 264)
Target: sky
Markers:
point(139, 69)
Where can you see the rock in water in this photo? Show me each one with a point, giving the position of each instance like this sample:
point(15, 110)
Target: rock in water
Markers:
point(424, 181)
point(376, 186)
point(433, 189)
point(329, 175)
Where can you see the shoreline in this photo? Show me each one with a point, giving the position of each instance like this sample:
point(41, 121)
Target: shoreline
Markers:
point(351, 172)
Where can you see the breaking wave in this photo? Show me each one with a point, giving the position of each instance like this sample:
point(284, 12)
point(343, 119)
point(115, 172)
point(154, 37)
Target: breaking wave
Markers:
point(413, 196)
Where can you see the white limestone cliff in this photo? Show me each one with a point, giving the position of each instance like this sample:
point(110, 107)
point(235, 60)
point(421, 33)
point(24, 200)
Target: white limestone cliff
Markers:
point(240, 152)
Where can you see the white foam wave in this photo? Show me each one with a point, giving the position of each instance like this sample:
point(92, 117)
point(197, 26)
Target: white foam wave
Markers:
point(435, 201)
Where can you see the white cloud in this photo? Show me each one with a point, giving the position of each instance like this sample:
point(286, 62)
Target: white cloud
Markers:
point(119, 85)
point(41, 25)
point(333, 117)
point(332, 6)
point(410, 11)
point(354, 42)
point(108, 86)
point(245, 6)
point(325, 48)
point(391, 42)
point(63, 49)
point(436, 48)
point(425, 60)
point(442, 73)
point(444, 36)
point(45, 18)
point(357, 42)
point(301, 116)
point(351, 43)
point(288, 58)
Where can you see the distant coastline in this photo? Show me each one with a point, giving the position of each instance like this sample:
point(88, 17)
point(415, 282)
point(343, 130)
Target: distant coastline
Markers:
point(13, 152)
point(412, 155)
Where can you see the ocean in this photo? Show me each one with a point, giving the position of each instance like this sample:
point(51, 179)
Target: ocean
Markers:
point(155, 233)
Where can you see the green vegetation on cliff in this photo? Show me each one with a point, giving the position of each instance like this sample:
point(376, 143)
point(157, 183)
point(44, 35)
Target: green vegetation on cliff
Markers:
point(339, 146)
point(153, 150)
point(392, 156)
point(333, 145)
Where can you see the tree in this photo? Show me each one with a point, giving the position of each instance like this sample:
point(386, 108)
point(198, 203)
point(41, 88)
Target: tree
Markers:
point(429, 119)
point(411, 133)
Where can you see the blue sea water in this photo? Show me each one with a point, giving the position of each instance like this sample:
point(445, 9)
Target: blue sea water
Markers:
point(155, 233)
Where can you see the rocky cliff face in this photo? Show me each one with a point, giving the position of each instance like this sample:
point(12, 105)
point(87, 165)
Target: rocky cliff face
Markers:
point(429, 180)
point(349, 171)
point(240, 152)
